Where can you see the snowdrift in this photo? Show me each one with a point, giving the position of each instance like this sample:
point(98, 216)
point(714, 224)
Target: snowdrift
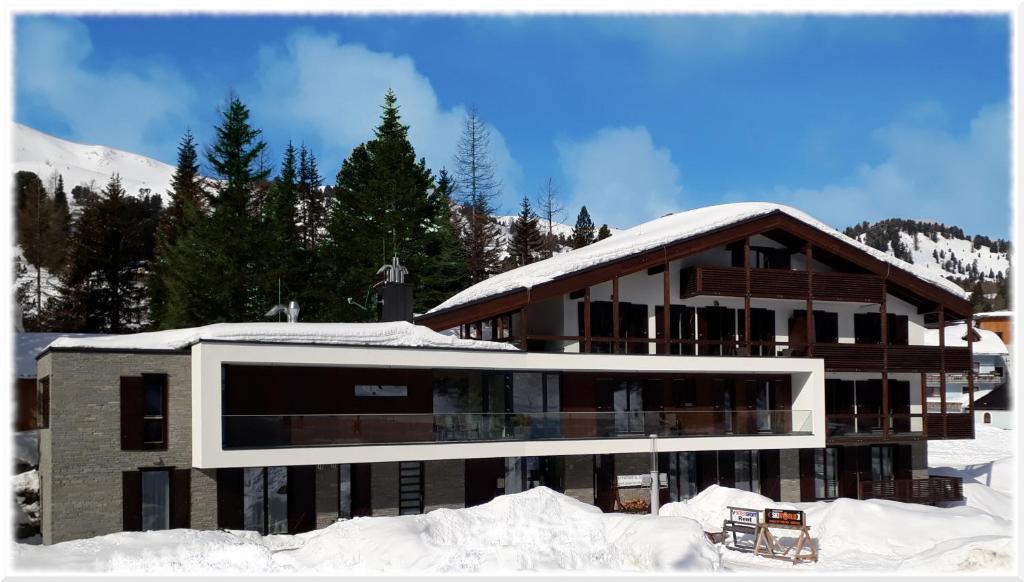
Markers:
point(711, 506)
point(537, 530)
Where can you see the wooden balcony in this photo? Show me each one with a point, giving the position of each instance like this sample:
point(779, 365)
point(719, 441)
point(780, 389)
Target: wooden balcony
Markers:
point(870, 358)
point(950, 426)
point(930, 490)
point(781, 284)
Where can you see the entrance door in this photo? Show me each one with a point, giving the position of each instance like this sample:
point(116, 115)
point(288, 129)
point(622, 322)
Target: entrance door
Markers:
point(869, 405)
point(717, 325)
point(628, 401)
point(899, 403)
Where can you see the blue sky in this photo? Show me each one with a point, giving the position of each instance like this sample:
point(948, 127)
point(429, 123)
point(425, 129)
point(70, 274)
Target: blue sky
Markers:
point(849, 118)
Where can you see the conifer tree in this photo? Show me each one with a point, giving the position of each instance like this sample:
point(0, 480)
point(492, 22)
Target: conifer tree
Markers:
point(445, 272)
point(550, 209)
point(103, 288)
point(41, 237)
point(188, 203)
point(603, 232)
point(583, 232)
point(60, 200)
point(382, 208)
point(478, 186)
point(283, 259)
point(215, 268)
point(312, 204)
point(524, 244)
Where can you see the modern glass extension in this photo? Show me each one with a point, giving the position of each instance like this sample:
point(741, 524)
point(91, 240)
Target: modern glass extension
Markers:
point(278, 406)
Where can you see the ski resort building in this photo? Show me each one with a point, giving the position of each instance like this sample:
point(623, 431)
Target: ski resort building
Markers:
point(765, 350)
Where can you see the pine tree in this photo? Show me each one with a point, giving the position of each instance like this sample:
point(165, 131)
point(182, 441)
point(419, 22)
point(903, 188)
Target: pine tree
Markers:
point(60, 200)
point(283, 259)
point(524, 244)
point(603, 232)
point(476, 181)
point(312, 205)
point(189, 201)
point(382, 208)
point(978, 299)
point(445, 272)
point(583, 232)
point(41, 237)
point(103, 289)
point(215, 267)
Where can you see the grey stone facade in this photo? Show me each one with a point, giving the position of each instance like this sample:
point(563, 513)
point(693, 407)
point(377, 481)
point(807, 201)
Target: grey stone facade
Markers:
point(444, 484)
point(81, 460)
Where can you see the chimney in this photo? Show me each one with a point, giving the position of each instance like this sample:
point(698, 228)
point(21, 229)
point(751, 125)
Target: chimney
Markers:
point(291, 311)
point(394, 301)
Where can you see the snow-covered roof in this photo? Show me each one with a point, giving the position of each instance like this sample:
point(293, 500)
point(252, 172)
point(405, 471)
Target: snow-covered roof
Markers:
point(657, 233)
point(384, 334)
point(956, 336)
point(984, 314)
point(29, 345)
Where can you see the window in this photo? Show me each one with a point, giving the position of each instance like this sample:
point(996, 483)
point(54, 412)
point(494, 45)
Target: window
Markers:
point(156, 500)
point(44, 403)
point(684, 392)
point(345, 491)
point(154, 403)
point(144, 412)
point(881, 463)
point(748, 471)
point(381, 390)
point(682, 475)
point(265, 499)
point(826, 469)
point(867, 328)
point(987, 418)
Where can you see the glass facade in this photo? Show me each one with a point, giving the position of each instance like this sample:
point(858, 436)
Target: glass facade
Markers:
point(156, 500)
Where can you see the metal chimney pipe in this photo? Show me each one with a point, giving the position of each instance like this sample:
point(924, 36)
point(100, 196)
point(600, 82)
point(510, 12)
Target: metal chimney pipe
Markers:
point(293, 311)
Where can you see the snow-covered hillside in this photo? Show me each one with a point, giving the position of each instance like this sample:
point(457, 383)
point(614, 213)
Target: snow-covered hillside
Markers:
point(35, 151)
point(944, 254)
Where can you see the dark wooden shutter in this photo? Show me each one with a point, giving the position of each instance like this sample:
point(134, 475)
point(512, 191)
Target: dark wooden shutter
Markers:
point(131, 500)
point(807, 475)
point(229, 499)
point(131, 413)
point(181, 498)
point(301, 499)
point(769, 466)
point(902, 462)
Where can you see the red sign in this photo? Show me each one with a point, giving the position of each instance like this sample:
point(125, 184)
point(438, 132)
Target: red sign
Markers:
point(783, 517)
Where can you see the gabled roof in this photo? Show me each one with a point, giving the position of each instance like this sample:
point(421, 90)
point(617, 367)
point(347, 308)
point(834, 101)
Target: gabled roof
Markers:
point(383, 334)
point(651, 236)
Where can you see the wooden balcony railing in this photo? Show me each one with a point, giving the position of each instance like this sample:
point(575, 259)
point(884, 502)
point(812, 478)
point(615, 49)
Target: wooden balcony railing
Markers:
point(950, 426)
point(930, 490)
point(781, 284)
point(874, 426)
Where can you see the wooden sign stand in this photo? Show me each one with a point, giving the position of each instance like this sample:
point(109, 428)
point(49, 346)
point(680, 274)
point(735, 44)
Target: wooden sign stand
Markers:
point(766, 545)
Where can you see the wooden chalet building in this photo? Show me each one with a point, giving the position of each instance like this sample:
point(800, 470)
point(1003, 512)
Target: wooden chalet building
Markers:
point(766, 351)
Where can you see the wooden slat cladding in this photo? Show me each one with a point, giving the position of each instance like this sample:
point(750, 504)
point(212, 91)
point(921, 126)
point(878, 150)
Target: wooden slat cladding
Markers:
point(780, 284)
point(869, 358)
point(931, 490)
point(950, 426)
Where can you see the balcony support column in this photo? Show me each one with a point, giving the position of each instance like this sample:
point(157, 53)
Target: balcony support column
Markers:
point(883, 312)
point(666, 312)
point(970, 370)
point(942, 369)
point(615, 315)
point(924, 404)
point(746, 296)
point(586, 320)
point(809, 257)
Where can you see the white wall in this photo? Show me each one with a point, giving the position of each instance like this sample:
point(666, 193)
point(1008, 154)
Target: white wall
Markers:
point(208, 359)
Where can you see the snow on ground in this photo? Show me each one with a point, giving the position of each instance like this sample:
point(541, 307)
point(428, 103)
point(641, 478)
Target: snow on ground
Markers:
point(537, 530)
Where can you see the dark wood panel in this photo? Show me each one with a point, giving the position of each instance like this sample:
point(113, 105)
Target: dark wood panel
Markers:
point(131, 413)
point(230, 499)
point(131, 500)
point(181, 498)
point(301, 498)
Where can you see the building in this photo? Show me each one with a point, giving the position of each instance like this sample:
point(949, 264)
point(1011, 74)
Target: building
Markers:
point(990, 373)
point(998, 322)
point(791, 361)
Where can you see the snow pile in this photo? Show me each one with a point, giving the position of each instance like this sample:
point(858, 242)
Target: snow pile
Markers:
point(382, 334)
point(956, 337)
point(35, 151)
point(537, 530)
point(710, 507)
point(657, 233)
point(26, 497)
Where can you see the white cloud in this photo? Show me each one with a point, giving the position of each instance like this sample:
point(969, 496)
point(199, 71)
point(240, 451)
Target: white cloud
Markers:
point(621, 176)
point(130, 109)
point(315, 85)
point(928, 172)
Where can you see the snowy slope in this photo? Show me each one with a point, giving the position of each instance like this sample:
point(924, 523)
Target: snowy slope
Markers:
point(35, 151)
point(947, 247)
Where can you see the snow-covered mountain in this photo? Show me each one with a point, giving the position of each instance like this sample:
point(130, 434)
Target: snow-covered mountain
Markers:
point(35, 151)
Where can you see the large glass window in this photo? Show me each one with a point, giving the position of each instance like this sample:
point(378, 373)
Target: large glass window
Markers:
point(826, 469)
point(265, 499)
point(628, 401)
point(748, 471)
point(682, 475)
point(156, 500)
point(345, 491)
point(154, 420)
point(881, 463)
